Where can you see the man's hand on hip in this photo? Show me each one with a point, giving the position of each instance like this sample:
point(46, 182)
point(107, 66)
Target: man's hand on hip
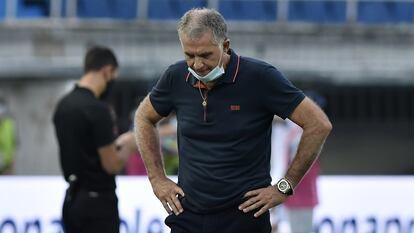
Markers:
point(262, 199)
point(168, 192)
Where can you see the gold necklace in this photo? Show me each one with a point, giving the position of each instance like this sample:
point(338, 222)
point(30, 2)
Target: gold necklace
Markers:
point(204, 103)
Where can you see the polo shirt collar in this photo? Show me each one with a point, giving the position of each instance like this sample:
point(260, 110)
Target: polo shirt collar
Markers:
point(230, 73)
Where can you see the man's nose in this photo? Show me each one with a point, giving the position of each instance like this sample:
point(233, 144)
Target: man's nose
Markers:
point(198, 63)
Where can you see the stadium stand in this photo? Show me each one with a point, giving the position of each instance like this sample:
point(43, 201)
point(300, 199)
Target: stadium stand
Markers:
point(385, 12)
point(2, 9)
point(32, 8)
point(125, 9)
point(171, 9)
point(314, 11)
point(317, 11)
point(262, 10)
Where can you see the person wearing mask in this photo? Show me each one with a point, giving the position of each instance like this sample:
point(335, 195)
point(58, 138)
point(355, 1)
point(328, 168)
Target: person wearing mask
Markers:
point(224, 104)
point(90, 153)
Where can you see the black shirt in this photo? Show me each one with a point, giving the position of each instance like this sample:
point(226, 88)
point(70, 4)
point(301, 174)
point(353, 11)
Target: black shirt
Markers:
point(83, 123)
point(224, 149)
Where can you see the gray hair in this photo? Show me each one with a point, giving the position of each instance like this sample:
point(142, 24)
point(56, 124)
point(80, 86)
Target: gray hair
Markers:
point(197, 21)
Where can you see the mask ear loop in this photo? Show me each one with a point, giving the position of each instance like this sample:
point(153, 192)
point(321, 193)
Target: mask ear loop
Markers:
point(221, 55)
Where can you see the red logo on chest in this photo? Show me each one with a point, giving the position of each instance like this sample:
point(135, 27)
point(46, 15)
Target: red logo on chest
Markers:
point(235, 107)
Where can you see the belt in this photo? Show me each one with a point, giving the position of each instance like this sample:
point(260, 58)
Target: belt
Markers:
point(97, 193)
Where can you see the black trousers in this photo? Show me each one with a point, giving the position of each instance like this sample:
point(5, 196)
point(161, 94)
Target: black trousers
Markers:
point(90, 212)
point(231, 220)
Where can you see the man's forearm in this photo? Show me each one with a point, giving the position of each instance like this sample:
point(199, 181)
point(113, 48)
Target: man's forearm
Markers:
point(147, 138)
point(309, 149)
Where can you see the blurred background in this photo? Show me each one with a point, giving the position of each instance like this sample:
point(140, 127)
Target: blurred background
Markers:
point(357, 54)
point(355, 57)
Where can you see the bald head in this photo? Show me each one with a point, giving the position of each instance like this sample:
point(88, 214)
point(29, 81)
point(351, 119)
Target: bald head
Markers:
point(198, 21)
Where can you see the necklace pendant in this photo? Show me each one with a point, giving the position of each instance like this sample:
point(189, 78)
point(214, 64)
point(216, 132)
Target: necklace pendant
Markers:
point(204, 103)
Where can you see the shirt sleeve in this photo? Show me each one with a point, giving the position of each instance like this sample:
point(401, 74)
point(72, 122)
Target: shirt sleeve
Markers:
point(281, 97)
point(102, 126)
point(161, 96)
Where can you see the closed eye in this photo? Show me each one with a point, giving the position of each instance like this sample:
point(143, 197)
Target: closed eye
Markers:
point(205, 55)
point(188, 55)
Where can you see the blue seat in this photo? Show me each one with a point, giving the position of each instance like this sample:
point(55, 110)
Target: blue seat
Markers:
point(2, 8)
point(385, 12)
point(171, 9)
point(262, 10)
point(115, 9)
point(404, 12)
point(32, 9)
point(317, 11)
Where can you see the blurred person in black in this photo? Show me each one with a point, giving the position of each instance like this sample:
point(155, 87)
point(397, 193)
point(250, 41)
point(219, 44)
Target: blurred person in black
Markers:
point(224, 104)
point(90, 153)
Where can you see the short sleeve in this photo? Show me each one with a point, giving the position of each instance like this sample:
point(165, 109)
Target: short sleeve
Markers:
point(281, 97)
point(102, 126)
point(161, 96)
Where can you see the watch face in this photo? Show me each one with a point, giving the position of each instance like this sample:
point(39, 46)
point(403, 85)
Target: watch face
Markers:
point(283, 185)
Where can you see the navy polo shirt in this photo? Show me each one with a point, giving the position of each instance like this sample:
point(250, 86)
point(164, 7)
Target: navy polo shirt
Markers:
point(224, 149)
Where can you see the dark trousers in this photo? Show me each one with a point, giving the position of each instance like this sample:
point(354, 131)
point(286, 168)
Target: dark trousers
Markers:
point(230, 220)
point(90, 212)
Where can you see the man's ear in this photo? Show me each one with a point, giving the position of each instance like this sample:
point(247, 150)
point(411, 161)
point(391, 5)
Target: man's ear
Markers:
point(107, 72)
point(226, 45)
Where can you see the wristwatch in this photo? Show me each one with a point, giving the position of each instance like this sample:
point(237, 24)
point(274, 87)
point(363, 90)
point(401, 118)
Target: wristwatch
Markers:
point(283, 185)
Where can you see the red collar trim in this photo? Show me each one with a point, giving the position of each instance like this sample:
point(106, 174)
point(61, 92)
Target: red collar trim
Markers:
point(237, 69)
point(198, 84)
point(188, 75)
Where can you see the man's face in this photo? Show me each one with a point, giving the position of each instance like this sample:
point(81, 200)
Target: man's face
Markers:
point(110, 74)
point(113, 73)
point(201, 54)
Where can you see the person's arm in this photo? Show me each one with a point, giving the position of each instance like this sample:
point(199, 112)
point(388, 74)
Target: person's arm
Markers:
point(113, 160)
point(316, 128)
point(115, 155)
point(147, 138)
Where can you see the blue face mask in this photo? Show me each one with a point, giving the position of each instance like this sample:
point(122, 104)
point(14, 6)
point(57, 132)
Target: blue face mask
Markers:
point(214, 74)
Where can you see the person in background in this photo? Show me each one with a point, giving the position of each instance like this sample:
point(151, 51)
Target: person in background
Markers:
point(167, 129)
point(90, 153)
point(7, 140)
point(134, 165)
point(225, 104)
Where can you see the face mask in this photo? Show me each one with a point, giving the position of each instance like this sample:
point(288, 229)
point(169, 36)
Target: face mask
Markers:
point(212, 75)
point(108, 90)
